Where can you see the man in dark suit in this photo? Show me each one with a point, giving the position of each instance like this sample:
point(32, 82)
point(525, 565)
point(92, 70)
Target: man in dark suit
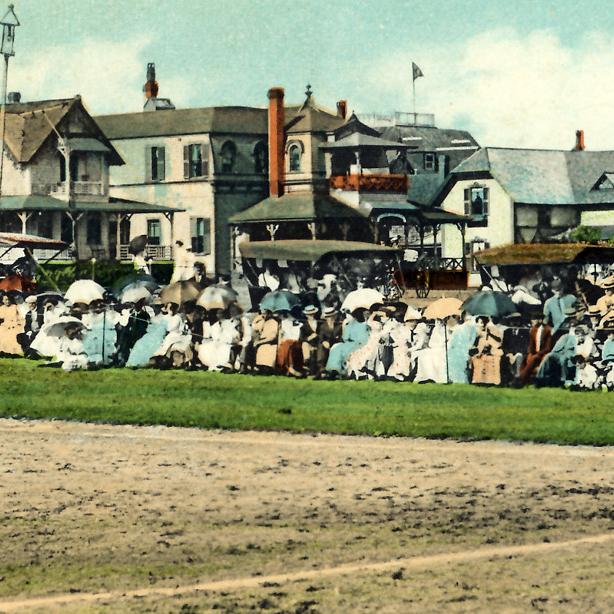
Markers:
point(540, 344)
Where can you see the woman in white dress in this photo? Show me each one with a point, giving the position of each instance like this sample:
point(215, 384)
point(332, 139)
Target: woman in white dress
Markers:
point(44, 344)
point(215, 350)
point(432, 359)
point(178, 341)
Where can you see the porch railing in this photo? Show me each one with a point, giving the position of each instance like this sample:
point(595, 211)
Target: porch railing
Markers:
point(79, 188)
point(157, 252)
point(41, 255)
point(436, 263)
point(369, 183)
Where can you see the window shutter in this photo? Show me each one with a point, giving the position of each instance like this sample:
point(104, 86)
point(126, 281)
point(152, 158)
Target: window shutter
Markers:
point(186, 161)
point(467, 201)
point(205, 150)
point(206, 236)
point(147, 163)
point(161, 163)
point(485, 204)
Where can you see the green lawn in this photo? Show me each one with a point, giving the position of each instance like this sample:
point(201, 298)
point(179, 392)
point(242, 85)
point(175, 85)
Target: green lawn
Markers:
point(212, 400)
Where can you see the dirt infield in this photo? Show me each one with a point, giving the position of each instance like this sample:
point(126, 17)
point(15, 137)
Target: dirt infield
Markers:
point(155, 519)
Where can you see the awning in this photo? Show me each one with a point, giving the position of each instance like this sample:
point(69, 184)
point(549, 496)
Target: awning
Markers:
point(545, 253)
point(306, 250)
point(12, 239)
point(87, 144)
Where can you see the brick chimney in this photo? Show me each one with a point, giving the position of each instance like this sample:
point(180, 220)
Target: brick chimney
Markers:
point(276, 141)
point(579, 141)
point(151, 86)
point(342, 108)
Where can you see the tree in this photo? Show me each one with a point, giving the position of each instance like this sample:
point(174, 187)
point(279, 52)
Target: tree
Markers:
point(586, 234)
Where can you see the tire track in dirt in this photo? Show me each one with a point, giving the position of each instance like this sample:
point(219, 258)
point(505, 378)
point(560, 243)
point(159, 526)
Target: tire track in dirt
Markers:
point(463, 556)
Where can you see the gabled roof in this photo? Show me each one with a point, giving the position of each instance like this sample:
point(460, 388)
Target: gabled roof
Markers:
point(296, 206)
point(540, 176)
point(311, 118)
point(358, 140)
point(175, 122)
point(29, 125)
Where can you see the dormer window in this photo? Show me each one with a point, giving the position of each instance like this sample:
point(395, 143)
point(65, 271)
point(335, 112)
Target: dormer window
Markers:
point(476, 202)
point(429, 161)
point(294, 158)
point(229, 156)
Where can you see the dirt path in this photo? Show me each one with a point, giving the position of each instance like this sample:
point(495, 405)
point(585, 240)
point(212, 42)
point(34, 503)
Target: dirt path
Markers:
point(133, 519)
point(316, 574)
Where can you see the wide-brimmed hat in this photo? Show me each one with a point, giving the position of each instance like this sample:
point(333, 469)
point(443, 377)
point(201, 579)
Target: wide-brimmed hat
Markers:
point(570, 310)
point(310, 310)
point(608, 282)
point(329, 311)
point(30, 300)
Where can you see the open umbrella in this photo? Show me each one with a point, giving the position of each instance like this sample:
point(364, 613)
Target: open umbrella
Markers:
point(412, 314)
point(279, 300)
point(135, 280)
point(362, 298)
point(442, 308)
point(57, 328)
point(495, 304)
point(180, 292)
point(137, 245)
point(16, 283)
point(135, 294)
point(84, 291)
point(217, 297)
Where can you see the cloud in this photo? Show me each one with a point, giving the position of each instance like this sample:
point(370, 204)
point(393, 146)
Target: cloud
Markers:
point(109, 75)
point(510, 89)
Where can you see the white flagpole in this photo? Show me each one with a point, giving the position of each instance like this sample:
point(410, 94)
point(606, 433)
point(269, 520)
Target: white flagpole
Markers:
point(413, 84)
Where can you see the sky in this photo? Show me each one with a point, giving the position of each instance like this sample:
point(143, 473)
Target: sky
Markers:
point(526, 73)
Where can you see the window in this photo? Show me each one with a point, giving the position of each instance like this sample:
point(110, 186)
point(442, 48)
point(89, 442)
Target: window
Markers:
point(195, 162)
point(471, 249)
point(229, 156)
point(62, 162)
point(261, 162)
point(156, 164)
point(476, 202)
point(201, 235)
point(154, 232)
point(294, 158)
point(94, 236)
point(429, 161)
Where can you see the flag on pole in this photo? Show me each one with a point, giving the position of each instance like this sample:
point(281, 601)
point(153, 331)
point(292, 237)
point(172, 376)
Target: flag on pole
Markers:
point(416, 72)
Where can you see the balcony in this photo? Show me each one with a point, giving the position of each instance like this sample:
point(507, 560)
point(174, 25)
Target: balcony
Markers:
point(396, 184)
point(79, 188)
point(156, 252)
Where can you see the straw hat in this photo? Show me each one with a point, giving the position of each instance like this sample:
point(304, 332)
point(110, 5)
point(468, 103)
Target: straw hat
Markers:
point(310, 310)
point(329, 311)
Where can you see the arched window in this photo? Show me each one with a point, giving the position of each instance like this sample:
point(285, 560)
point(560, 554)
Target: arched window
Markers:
point(229, 156)
point(294, 157)
point(261, 161)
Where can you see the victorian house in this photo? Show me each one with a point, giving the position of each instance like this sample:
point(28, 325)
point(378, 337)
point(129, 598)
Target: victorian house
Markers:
point(527, 195)
point(54, 179)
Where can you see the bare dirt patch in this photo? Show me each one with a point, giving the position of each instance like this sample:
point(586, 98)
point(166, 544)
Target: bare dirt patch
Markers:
point(101, 509)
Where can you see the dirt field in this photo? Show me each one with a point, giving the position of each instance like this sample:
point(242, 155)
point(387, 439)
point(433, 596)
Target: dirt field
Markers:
point(154, 519)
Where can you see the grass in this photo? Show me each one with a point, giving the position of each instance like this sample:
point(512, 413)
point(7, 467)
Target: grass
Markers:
point(213, 400)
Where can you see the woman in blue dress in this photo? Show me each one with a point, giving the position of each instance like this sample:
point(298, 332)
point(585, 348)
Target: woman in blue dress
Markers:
point(149, 343)
point(100, 336)
point(355, 335)
point(460, 342)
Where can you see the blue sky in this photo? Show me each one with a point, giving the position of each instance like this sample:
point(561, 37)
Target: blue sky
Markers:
point(522, 73)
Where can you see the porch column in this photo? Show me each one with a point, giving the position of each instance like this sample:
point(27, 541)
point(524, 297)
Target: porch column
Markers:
point(312, 229)
point(435, 229)
point(272, 228)
point(345, 229)
point(170, 216)
point(118, 235)
point(462, 229)
point(24, 217)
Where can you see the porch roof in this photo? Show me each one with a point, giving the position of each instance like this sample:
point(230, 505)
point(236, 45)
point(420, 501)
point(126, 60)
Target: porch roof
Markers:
point(299, 206)
point(36, 202)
